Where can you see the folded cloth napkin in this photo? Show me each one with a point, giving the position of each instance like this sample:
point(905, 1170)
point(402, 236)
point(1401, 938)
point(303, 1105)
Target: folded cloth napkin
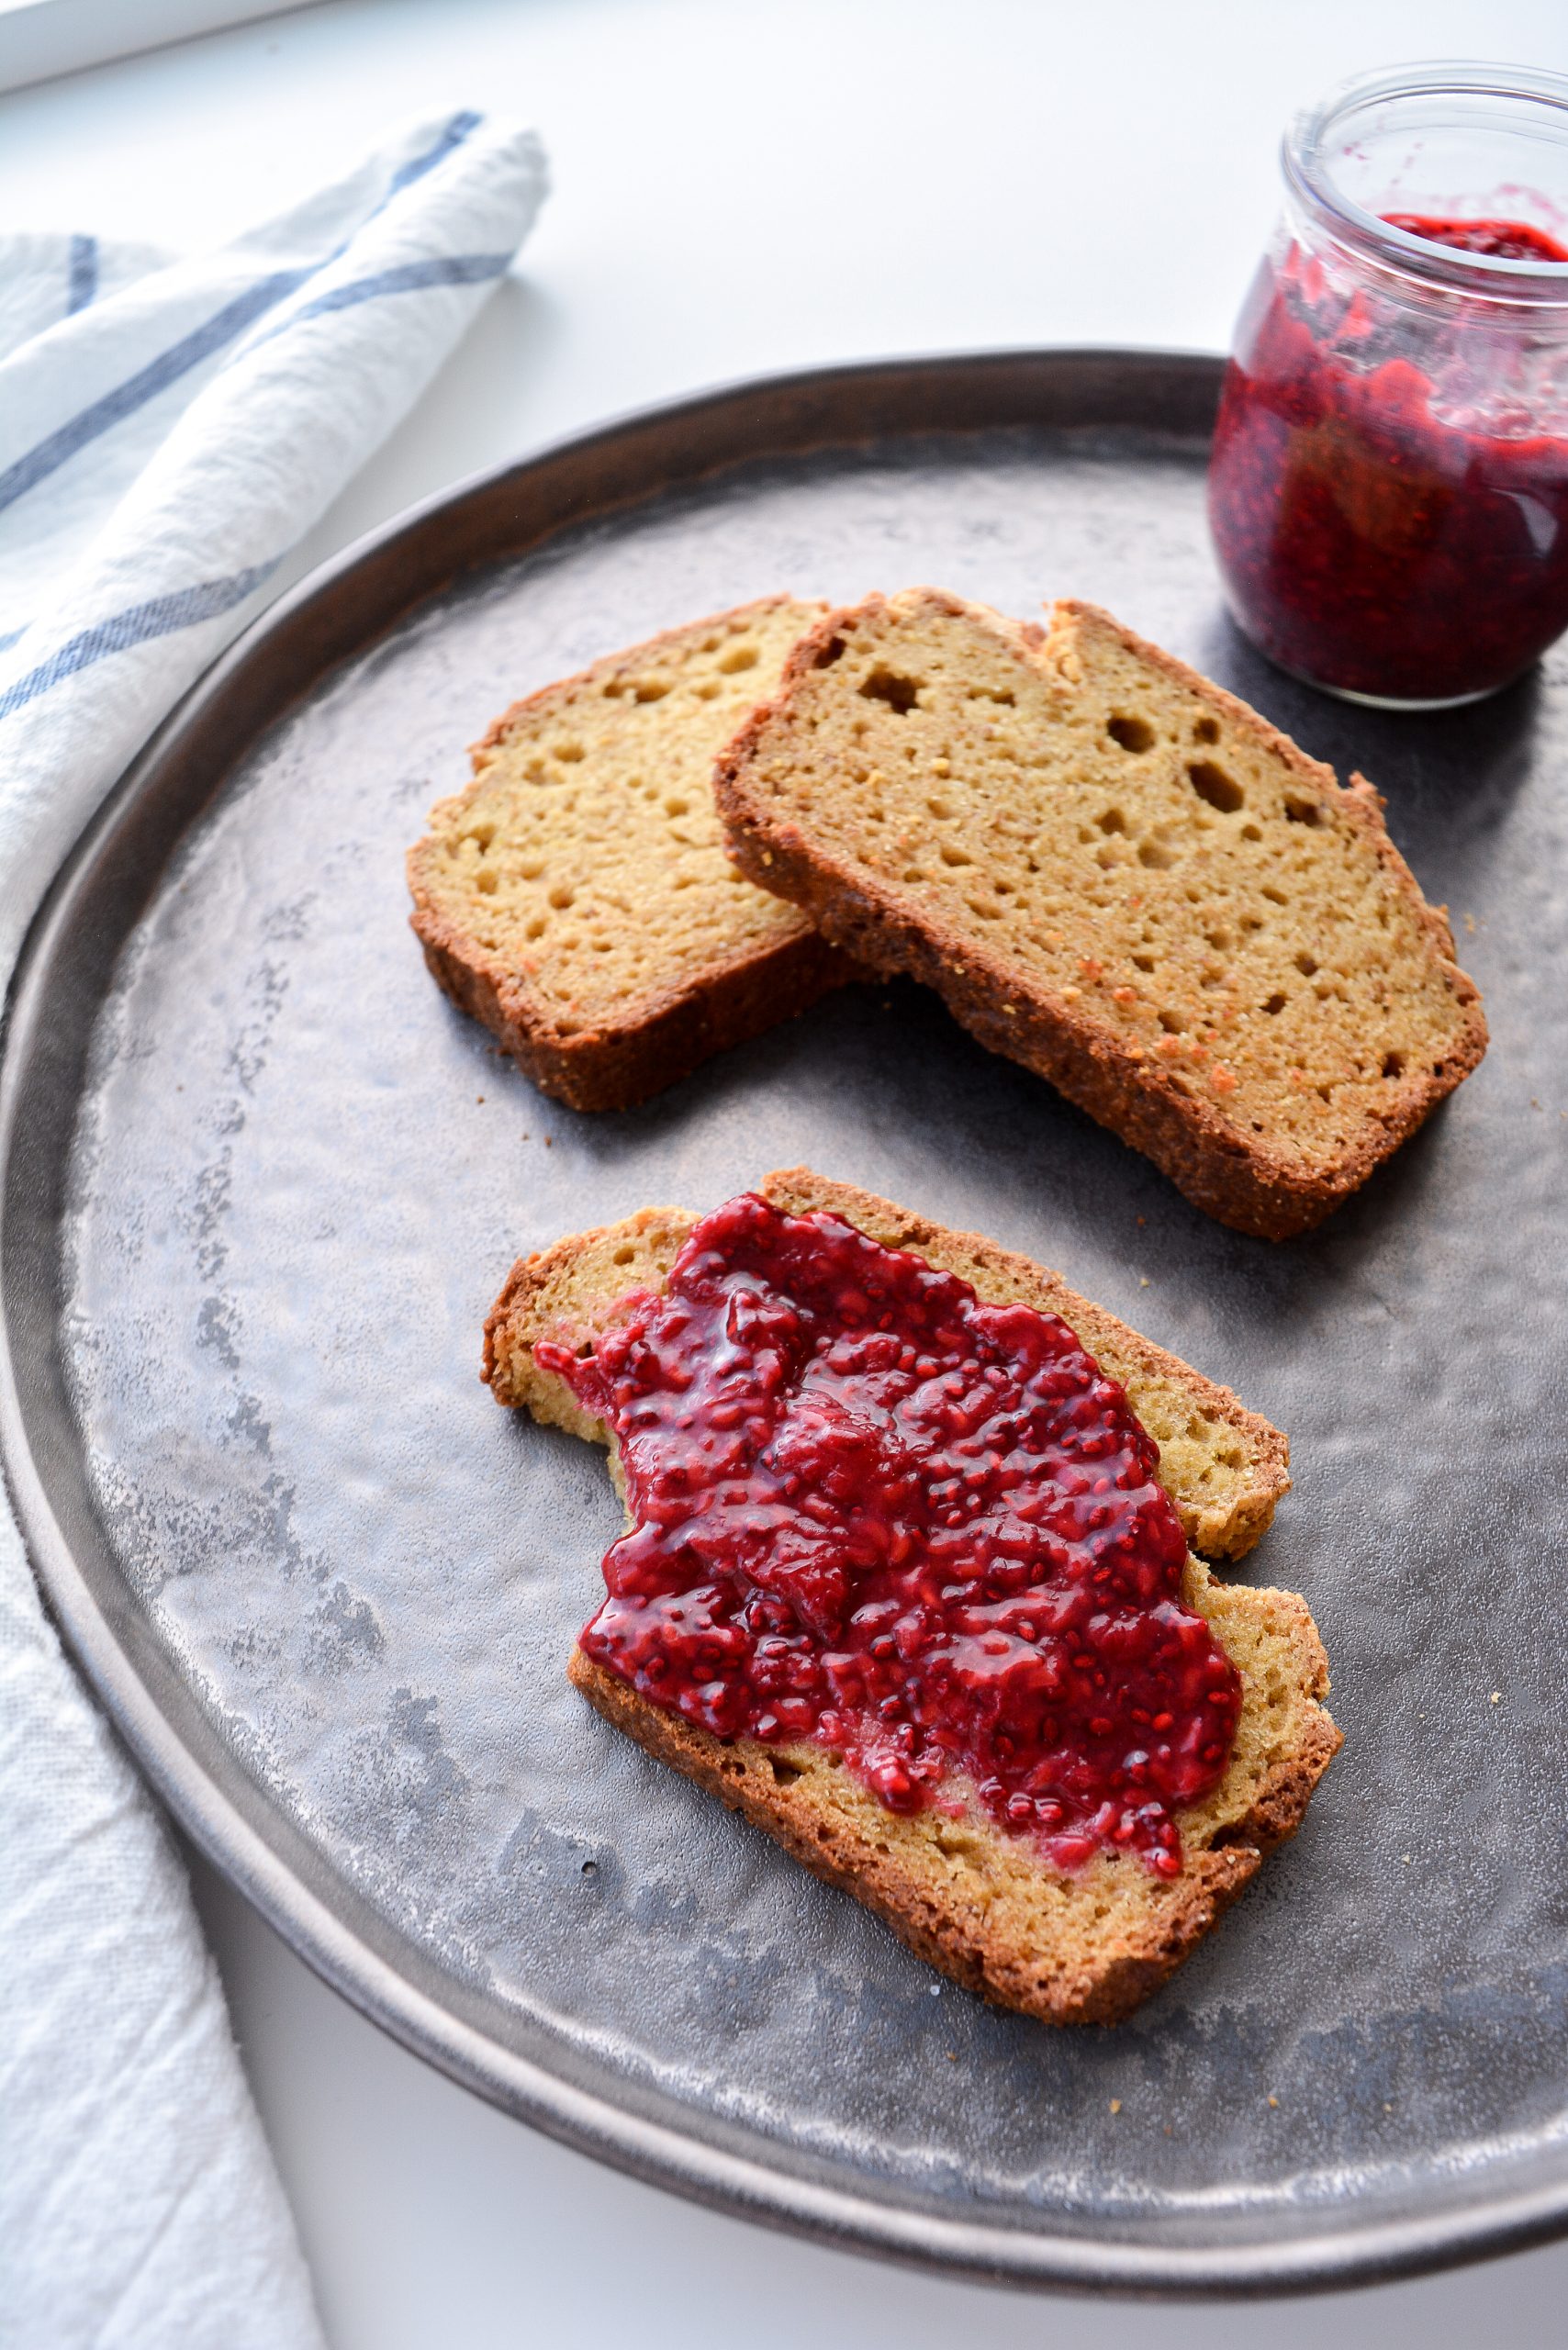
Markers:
point(168, 431)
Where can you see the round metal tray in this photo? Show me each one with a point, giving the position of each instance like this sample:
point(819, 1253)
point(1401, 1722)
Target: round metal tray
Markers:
point(261, 1183)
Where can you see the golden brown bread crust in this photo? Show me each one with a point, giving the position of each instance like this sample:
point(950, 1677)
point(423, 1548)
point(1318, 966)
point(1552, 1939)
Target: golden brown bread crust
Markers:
point(971, 1900)
point(1237, 1177)
point(1227, 1501)
point(807, 1802)
point(613, 1065)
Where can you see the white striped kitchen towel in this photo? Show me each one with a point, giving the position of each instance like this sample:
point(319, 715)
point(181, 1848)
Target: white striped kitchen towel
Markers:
point(169, 430)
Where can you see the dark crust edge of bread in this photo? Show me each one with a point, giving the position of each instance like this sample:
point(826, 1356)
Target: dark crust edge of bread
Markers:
point(615, 1066)
point(1269, 1447)
point(1233, 1177)
point(614, 1069)
point(739, 1773)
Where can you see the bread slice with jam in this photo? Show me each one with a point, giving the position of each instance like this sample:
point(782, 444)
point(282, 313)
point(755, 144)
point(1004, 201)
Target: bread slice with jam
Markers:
point(575, 897)
point(1120, 875)
point(981, 1903)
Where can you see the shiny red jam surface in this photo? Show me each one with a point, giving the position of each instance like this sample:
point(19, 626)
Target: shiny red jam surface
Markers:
point(1497, 240)
point(924, 1532)
point(1389, 486)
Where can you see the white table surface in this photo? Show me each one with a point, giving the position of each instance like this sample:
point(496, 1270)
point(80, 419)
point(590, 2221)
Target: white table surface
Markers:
point(740, 186)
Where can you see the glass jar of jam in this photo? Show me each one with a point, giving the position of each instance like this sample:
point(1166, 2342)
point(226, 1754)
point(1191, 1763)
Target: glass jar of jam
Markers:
point(1389, 486)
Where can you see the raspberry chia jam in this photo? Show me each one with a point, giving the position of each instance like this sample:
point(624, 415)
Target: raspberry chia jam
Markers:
point(872, 1513)
point(1388, 490)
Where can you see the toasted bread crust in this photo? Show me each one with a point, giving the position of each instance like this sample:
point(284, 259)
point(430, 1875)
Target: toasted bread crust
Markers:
point(894, 1866)
point(616, 1067)
point(1238, 1178)
point(971, 1900)
point(663, 1035)
point(1223, 1519)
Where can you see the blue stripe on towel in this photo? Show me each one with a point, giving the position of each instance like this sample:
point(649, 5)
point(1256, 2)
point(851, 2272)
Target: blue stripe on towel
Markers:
point(82, 285)
point(406, 277)
point(453, 136)
point(146, 384)
point(62, 444)
point(161, 616)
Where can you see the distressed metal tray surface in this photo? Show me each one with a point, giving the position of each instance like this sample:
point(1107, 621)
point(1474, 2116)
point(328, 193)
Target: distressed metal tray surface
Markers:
point(261, 1183)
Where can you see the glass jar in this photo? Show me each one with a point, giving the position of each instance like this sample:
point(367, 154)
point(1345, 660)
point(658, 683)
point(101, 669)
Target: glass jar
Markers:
point(1388, 491)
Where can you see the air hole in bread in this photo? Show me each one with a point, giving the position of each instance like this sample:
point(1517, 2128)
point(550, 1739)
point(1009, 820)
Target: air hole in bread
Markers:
point(1276, 1003)
point(1134, 735)
point(986, 914)
point(650, 688)
point(676, 806)
point(1214, 786)
point(1113, 820)
point(707, 690)
point(1206, 731)
point(951, 856)
point(1393, 1064)
point(568, 753)
point(784, 1773)
point(1157, 854)
point(1143, 962)
point(1305, 964)
point(481, 835)
point(1303, 811)
point(485, 879)
point(1001, 694)
point(1251, 832)
point(562, 896)
point(738, 658)
point(534, 929)
point(1220, 939)
point(828, 653)
point(900, 694)
point(1276, 897)
point(940, 809)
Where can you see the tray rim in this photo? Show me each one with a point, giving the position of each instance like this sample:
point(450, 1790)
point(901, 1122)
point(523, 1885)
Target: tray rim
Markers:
point(678, 2159)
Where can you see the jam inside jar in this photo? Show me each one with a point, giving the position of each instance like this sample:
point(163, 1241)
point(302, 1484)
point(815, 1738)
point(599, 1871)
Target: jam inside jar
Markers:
point(1388, 490)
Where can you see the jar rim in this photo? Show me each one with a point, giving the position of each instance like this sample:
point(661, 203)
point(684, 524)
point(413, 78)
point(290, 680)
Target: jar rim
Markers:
point(1302, 156)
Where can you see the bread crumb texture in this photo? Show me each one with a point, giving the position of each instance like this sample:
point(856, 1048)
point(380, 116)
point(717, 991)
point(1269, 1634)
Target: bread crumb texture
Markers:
point(576, 895)
point(970, 1900)
point(1120, 875)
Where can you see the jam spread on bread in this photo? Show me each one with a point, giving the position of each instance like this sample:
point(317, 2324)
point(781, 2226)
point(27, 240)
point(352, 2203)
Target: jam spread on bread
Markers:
point(1389, 486)
point(871, 1512)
